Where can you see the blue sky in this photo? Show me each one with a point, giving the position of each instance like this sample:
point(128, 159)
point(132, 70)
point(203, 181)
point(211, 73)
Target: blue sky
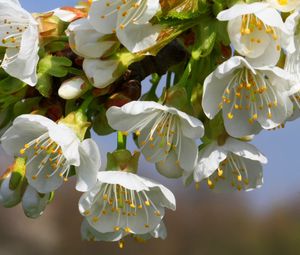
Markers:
point(282, 174)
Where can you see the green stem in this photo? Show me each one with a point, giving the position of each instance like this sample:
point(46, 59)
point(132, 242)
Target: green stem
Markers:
point(84, 106)
point(169, 80)
point(182, 82)
point(122, 139)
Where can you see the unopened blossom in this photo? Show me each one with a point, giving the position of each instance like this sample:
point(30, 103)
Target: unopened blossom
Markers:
point(90, 44)
point(250, 98)
point(125, 202)
point(130, 20)
point(236, 165)
point(257, 32)
point(19, 35)
point(9, 197)
point(51, 150)
point(72, 88)
point(160, 130)
point(34, 203)
point(285, 5)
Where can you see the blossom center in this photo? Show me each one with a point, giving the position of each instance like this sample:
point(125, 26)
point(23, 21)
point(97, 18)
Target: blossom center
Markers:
point(252, 27)
point(283, 2)
point(114, 199)
point(233, 170)
point(50, 157)
point(12, 31)
point(131, 11)
point(251, 92)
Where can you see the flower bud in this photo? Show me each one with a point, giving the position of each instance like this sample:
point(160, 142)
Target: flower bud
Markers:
point(12, 183)
point(72, 88)
point(122, 160)
point(34, 203)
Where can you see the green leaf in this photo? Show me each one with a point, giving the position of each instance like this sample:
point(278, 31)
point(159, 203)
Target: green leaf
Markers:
point(25, 106)
point(55, 66)
point(10, 85)
point(44, 84)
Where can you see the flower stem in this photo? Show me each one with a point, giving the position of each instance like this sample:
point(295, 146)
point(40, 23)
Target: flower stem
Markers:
point(84, 106)
point(122, 140)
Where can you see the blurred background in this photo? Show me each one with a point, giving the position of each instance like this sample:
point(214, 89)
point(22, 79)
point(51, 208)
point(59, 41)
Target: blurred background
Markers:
point(265, 221)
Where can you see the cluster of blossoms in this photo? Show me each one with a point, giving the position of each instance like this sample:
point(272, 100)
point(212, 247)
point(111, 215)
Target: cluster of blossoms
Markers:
point(84, 66)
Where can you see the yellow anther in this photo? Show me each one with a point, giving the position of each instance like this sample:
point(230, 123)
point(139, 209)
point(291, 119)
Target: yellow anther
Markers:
point(128, 230)
point(240, 178)
point(147, 226)
point(121, 244)
point(147, 203)
point(116, 228)
point(95, 219)
point(66, 179)
point(22, 151)
point(105, 197)
point(26, 146)
point(269, 115)
point(138, 133)
point(246, 181)
point(34, 177)
point(157, 213)
point(197, 185)
point(210, 184)
point(87, 212)
point(220, 172)
point(140, 207)
point(230, 115)
point(104, 212)
point(132, 205)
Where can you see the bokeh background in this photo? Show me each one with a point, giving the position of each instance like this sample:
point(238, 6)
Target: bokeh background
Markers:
point(265, 221)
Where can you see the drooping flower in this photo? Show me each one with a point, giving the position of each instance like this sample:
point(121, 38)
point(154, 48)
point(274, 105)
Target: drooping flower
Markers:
point(19, 34)
point(34, 203)
point(160, 130)
point(284, 5)
point(236, 165)
point(125, 202)
point(130, 20)
point(51, 149)
point(257, 32)
point(250, 98)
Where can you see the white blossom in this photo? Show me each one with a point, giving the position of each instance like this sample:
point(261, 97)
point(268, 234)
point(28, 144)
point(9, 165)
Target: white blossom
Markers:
point(251, 98)
point(236, 165)
point(123, 202)
point(257, 32)
point(51, 149)
point(160, 130)
point(129, 20)
point(19, 34)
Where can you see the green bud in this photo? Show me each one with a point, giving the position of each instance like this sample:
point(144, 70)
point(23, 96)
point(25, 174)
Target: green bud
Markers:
point(77, 121)
point(100, 123)
point(122, 160)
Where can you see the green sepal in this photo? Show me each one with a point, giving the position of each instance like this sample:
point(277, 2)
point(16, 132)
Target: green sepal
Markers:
point(26, 106)
point(100, 123)
point(123, 160)
point(17, 173)
point(55, 46)
point(77, 121)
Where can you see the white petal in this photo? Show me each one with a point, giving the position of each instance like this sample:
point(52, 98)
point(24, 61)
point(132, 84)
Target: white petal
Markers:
point(239, 10)
point(33, 204)
point(209, 159)
point(101, 72)
point(99, 18)
point(245, 150)
point(90, 163)
point(137, 38)
point(169, 168)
